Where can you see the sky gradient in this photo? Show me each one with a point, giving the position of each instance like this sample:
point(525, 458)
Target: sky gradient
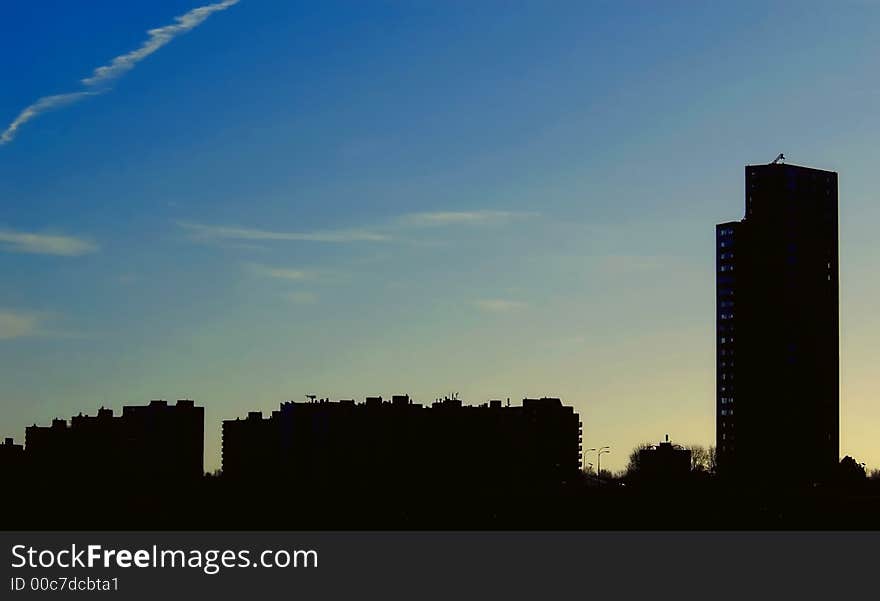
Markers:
point(263, 200)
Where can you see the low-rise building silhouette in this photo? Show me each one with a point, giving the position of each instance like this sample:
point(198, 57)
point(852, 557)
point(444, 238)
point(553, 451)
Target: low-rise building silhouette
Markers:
point(156, 442)
point(664, 462)
point(380, 446)
point(11, 461)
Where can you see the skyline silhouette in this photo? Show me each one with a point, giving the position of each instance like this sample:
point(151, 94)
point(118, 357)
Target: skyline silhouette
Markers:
point(396, 464)
point(408, 465)
point(777, 318)
point(274, 200)
point(777, 371)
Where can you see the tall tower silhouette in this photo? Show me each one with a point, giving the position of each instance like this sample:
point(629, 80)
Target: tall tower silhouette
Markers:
point(777, 328)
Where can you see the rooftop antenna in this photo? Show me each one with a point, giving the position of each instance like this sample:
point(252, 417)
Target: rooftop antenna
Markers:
point(311, 397)
point(779, 159)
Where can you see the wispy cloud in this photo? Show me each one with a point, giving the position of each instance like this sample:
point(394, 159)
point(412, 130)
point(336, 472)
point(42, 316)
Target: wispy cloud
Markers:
point(119, 65)
point(446, 218)
point(45, 244)
point(31, 324)
point(280, 273)
point(388, 230)
point(499, 305)
point(205, 232)
point(157, 38)
point(15, 324)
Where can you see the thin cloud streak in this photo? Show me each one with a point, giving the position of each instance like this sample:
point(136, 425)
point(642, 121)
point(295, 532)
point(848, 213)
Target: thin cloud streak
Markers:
point(157, 38)
point(446, 218)
point(14, 324)
point(205, 232)
point(44, 104)
point(45, 244)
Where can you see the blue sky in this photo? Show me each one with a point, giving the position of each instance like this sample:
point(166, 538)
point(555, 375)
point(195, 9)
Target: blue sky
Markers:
point(497, 199)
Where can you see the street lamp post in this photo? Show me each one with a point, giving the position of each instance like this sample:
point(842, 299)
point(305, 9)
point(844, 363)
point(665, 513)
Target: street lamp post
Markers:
point(599, 452)
point(585, 459)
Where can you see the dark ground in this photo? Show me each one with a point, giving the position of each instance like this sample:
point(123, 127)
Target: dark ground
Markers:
point(214, 504)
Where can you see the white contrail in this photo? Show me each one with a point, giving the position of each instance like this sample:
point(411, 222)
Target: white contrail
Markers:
point(119, 65)
point(46, 103)
point(158, 38)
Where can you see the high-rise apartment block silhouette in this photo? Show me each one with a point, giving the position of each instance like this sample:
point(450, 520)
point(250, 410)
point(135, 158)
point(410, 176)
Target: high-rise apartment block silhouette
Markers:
point(156, 442)
point(378, 447)
point(777, 327)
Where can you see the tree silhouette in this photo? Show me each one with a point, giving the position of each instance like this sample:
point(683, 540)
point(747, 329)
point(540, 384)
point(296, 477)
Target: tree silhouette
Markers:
point(634, 465)
point(702, 459)
point(850, 472)
point(606, 475)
